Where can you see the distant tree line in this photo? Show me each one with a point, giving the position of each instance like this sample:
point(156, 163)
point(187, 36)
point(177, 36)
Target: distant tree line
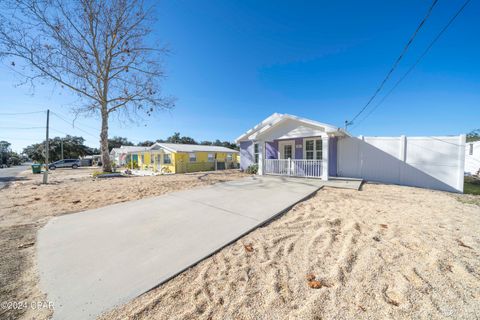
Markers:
point(7, 156)
point(473, 135)
point(73, 148)
point(117, 142)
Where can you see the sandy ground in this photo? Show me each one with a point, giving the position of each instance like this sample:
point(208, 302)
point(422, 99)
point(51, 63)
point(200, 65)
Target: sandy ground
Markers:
point(26, 205)
point(386, 252)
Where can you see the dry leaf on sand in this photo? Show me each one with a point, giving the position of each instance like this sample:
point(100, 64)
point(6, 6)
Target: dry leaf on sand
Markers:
point(314, 284)
point(248, 247)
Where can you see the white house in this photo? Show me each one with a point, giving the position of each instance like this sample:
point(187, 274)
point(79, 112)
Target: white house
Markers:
point(472, 158)
point(288, 145)
point(284, 144)
point(120, 155)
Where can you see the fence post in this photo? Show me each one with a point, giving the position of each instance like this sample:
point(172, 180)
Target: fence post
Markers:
point(289, 166)
point(461, 161)
point(402, 156)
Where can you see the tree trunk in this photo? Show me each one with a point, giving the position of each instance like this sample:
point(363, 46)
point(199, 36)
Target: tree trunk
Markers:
point(106, 165)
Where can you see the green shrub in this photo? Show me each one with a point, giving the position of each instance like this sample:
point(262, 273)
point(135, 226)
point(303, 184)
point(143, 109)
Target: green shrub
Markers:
point(253, 169)
point(132, 164)
point(99, 173)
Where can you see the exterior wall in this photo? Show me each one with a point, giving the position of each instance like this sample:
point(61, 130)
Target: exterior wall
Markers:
point(167, 168)
point(246, 154)
point(183, 164)
point(426, 162)
point(472, 161)
point(332, 156)
point(271, 150)
point(299, 151)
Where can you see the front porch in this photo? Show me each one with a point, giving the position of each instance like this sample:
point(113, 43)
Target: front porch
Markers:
point(309, 157)
point(286, 145)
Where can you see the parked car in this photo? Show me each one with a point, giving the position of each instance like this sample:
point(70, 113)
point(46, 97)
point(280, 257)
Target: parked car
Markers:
point(66, 163)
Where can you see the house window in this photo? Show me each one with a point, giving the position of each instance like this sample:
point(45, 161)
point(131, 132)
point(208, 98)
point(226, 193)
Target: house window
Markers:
point(192, 157)
point(143, 158)
point(167, 159)
point(152, 158)
point(470, 152)
point(255, 152)
point(318, 149)
point(287, 151)
point(229, 157)
point(211, 157)
point(313, 149)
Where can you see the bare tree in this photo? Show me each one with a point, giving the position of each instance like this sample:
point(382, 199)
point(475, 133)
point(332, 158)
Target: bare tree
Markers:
point(96, 48)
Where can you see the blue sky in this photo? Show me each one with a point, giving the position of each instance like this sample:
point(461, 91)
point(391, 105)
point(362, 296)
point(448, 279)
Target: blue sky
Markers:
point(233, 63)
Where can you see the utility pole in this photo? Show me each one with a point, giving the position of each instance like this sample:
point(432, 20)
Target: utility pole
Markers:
point(45, 173)
point(61, 144)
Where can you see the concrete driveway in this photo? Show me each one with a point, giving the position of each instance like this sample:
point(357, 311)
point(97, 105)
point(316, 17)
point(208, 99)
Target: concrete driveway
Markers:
point(91, 261)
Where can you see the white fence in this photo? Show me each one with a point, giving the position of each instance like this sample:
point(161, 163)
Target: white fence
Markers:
point(427, 162)
point(294, 167)
point(472, 158)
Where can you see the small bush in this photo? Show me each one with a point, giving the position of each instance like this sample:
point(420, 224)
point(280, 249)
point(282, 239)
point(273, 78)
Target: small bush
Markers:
point(99, 173)
point(132, 164)
point(253, 169)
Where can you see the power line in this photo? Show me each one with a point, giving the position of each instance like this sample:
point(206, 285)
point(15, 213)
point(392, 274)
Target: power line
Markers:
point(21, 128)
point(394, 66)
point(20, 113)
point(19, 139)
point(73, 125)
point(452, 19)
point(73, 122)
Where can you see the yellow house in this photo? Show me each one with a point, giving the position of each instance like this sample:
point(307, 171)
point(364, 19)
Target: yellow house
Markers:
point(181, 158)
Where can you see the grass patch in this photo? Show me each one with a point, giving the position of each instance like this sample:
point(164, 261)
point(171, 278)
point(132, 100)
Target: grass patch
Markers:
point(471, 186)
point(101, 173)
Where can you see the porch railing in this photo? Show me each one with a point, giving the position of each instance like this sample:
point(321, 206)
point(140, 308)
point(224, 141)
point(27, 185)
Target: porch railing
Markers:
point(294, 167)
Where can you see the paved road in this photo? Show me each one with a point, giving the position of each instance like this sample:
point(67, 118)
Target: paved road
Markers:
point(9, 174)
point(93, 260)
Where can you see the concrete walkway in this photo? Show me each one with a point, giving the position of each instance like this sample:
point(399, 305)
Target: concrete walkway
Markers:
point(91, 261)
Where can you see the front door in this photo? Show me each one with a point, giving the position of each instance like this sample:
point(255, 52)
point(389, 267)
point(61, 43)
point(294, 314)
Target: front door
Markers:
point(286, 149)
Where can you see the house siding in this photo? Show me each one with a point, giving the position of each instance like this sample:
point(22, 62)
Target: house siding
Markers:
point(246, 154)
point(332, 156)
point(299, 151)
point(271, 150)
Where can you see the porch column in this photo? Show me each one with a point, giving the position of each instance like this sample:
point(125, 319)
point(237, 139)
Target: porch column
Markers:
point(325, 158)
point(261, 156)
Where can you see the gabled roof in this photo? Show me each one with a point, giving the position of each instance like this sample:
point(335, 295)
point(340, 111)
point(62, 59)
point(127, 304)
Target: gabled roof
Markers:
point(127, 149)
point(278, 118)
point(177, 147)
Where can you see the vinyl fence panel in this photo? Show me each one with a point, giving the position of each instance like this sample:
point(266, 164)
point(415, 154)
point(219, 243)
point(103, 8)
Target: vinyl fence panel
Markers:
point(427, 162)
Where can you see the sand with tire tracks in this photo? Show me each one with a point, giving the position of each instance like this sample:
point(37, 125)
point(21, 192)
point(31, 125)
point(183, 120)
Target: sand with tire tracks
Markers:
point(387, 252)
